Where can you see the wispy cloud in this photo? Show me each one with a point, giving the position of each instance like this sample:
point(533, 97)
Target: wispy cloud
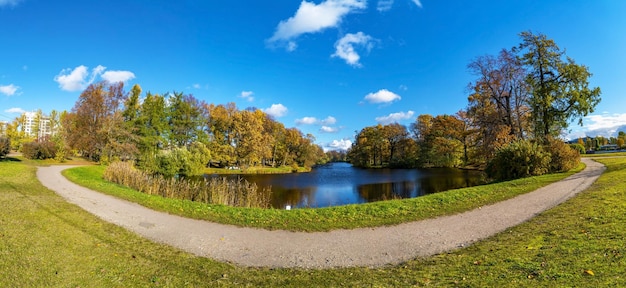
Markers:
point(384, 5)
point(382, 96)
point(313, 18)
point(248, 95)
point(79, 78)
point(9, 90)
point(9, 2)
point(15, 110)
point(345, 47)
point(395, 117)
point(276, 110)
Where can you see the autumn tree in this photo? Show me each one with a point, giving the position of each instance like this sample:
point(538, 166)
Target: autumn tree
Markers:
point(383, 146)
point(219, 129)
point(367, 149)
point(560, 89)
point(250, 146)
point(498, 103)
point(91, 125)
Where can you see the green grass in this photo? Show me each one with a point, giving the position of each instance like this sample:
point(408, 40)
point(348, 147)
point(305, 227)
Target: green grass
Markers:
point(612, 154)
point(46, 242)
point(323, 219)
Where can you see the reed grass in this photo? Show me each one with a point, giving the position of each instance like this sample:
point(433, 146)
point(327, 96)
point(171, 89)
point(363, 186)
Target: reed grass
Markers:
point(233, 192)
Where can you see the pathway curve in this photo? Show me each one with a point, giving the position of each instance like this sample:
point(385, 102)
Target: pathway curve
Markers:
point(340, 248)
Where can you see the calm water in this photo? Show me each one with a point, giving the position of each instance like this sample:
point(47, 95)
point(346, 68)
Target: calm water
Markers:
point(340, 184)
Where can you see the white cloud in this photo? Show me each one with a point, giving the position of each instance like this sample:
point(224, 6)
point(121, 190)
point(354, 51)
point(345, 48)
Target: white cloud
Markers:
point(403, 87)
point(343, 144)
point(306, 121)
point(344, 47)
point(604, 121)
point(384, 5)
point(313, 18)
point(606, 125)
point(79, 78)
point(382, 96)
point(15, 110)
point(117, 76)
point(196, 86)
point(276, 110)
point(9, 2)
point(72, 80)
point(9, 90)
point(328, 129)
point(418, 3)
point(248, 95)
point(330, 120)
point(395, 117)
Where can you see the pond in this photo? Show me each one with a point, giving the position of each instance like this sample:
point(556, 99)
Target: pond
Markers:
point(340, 183)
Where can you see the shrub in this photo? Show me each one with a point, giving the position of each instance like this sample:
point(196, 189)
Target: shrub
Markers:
point(5, 146)
point(517, 160)
point(178, 161)
point(578, 147)
point(564, 158)
point(39, 150)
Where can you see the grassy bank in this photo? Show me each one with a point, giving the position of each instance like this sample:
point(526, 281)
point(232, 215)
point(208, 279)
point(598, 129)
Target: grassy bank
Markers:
point(611, 154)
point(45, 241)
point(323, 219)
point(255, 170)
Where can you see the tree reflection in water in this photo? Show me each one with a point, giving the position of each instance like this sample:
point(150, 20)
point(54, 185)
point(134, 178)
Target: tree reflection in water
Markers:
point(341, 184)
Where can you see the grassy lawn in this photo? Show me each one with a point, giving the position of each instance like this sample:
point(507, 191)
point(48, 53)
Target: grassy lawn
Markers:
point(45, 241)
point(323, 219)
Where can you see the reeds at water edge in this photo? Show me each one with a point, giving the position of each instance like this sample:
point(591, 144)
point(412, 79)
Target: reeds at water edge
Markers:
point(233, 192)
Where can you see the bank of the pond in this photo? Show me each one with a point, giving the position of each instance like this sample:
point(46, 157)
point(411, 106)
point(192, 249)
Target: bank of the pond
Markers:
point(323, 219)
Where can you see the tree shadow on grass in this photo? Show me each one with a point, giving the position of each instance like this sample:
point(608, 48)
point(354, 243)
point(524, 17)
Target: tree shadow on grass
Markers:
point(10, 159)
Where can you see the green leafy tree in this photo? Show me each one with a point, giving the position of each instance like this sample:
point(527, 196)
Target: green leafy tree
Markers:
point(199, 156)
point(186, 120)
point(560, 89)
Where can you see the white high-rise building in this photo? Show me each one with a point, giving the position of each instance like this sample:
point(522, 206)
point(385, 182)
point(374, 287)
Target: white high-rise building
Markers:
point(36, 125)
point(3, 128)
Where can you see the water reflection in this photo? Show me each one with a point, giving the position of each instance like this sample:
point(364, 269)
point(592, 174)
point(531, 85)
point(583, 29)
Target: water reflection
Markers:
point(340, 184)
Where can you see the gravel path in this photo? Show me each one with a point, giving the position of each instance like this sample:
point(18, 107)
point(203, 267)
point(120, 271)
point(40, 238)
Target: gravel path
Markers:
point(367, 247)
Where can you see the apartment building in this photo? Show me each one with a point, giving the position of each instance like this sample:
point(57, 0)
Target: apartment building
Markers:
point(36, 125)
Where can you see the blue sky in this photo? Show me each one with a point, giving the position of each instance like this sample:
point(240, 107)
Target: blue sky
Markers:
point(329, 67)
